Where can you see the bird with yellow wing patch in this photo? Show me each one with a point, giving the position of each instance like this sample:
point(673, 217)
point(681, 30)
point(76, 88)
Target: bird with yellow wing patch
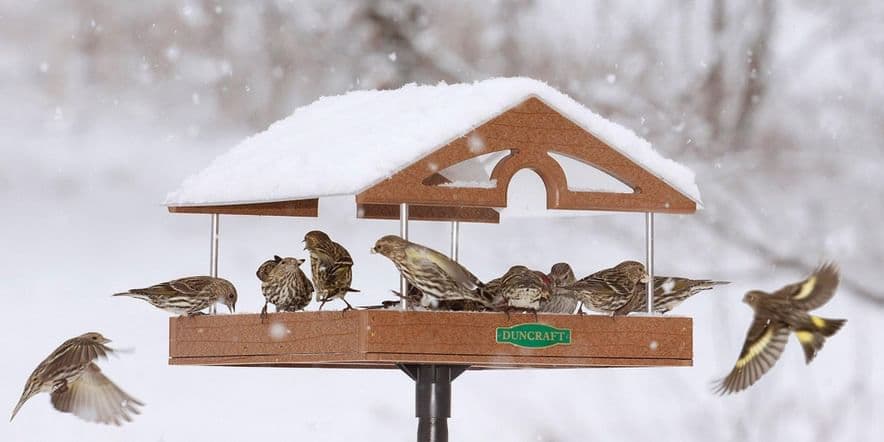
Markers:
point(777, 315)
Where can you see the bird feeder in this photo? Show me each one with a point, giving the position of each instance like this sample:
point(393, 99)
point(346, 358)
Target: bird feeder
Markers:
point(397, 150)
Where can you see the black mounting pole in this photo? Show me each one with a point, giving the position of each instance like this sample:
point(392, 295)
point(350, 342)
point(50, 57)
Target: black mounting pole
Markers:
point(432, 398)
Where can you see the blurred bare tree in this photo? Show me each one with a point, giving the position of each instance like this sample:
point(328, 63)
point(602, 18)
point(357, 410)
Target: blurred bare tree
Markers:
point(755, 95)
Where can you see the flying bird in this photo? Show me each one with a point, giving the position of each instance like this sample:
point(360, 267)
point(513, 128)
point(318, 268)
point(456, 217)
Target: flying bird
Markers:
point(560, 275)
point(284, 285)
point(331, 266)
point(431, 272)
point(608, 290)
point(777, 315)
point(187, 296)
point(76, 385)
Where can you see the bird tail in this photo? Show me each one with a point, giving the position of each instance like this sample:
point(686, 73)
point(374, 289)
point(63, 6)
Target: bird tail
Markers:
point(812, 340)
point(383, 306)
point(827, 327)
point(811, 343)
point(132, 295)
point(704, 284)
point(24, 398)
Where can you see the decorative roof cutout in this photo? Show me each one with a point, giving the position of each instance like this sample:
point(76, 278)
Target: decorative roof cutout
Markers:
point(586, 178)
point(530, 131)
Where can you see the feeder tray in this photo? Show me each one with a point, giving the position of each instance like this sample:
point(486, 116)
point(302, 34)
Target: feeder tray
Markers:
point(385, 338)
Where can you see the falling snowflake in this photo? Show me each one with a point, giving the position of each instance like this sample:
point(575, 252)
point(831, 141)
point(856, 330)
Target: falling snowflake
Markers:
point(278, 331)
point(668, 286)
point(476, 143)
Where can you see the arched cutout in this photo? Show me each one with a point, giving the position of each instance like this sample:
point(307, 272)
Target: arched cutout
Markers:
point(585, 177)
point(544, 166)
point(526, 195)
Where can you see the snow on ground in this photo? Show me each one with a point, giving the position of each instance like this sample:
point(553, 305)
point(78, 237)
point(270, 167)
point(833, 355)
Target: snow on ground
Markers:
point(81, 220)
point(369, 135)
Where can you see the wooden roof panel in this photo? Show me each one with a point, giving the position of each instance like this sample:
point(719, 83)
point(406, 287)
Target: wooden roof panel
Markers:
point(530, 131)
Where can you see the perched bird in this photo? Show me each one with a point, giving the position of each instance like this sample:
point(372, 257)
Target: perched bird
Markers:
point(608, 290)
point(187, 296)
point(76, 385)
point(776, 316)
point(560, 275)
point(332, 268)
point(266, 267)
point(285, 285)
point(431, 272)
point(670, 291)
point(520, 288)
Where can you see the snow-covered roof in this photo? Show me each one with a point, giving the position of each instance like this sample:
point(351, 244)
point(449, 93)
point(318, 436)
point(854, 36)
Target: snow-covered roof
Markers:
point(344, 144)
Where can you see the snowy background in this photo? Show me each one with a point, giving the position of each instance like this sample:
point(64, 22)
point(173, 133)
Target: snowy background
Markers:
point(106, 106)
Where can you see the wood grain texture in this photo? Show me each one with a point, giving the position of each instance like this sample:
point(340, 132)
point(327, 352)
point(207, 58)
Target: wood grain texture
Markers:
point(530, 131)
point(430, 213)
point(307, 208)
point(381, 338)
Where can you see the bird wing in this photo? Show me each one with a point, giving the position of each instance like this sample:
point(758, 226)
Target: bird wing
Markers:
point(445, 265)
point(331, 252)
point(76, 352)
point(814, 291)
point(764, 344)
point(265, 269)
point(340, 254)
point(94, 398)
point(493, 287)
point(604, 281)
point(634, 302)
point(307, 283)
point(190, 285)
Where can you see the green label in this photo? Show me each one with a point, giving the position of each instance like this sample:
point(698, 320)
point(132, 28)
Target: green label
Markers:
point(533, 335)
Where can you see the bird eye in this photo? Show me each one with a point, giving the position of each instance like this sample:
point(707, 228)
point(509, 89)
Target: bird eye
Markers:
point(95, 338)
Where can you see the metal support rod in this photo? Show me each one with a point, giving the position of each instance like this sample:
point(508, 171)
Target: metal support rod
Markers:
point(649, 258)
point(455, 239)
point(432, 399)
point(213, 255)
point(403, 232)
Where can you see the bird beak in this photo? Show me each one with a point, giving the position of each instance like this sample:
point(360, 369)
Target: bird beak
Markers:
point(374, 250)
point(232, 308)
